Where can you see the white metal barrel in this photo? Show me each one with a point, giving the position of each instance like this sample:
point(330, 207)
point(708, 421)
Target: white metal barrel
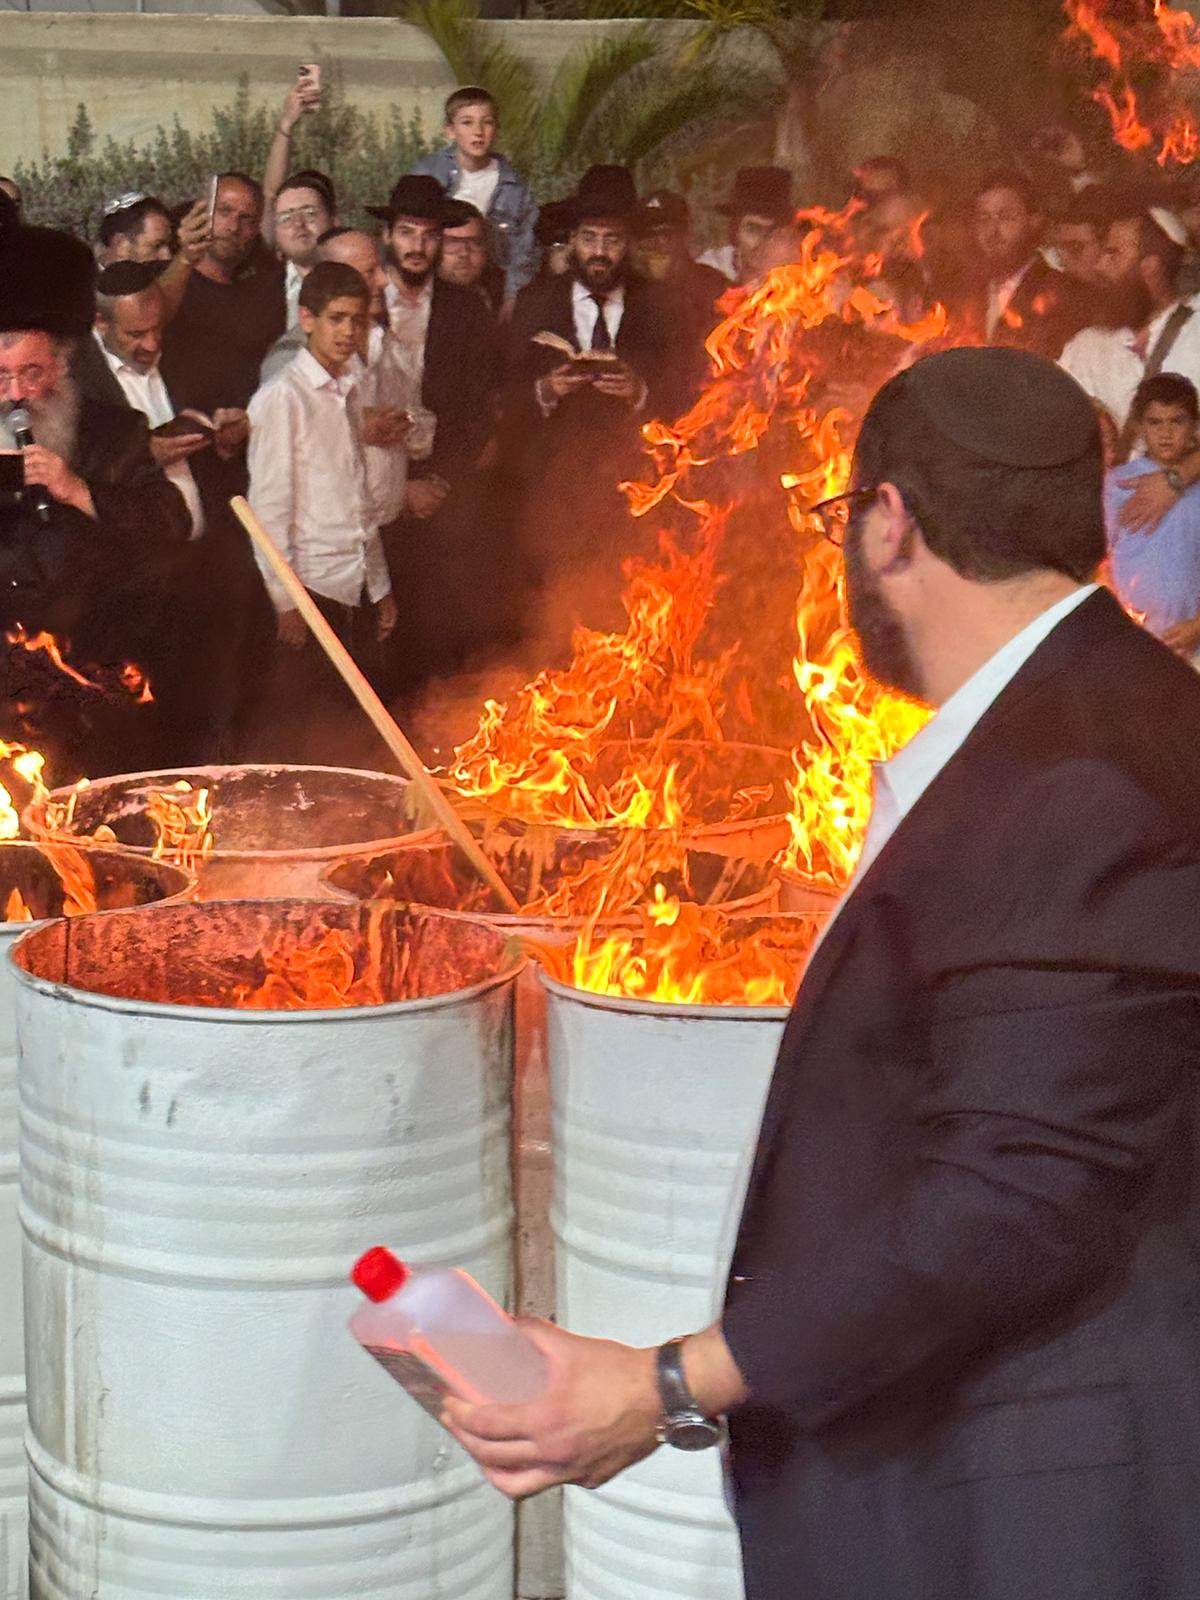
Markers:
point(272, 829)
point(196, 1182)
point(656, 1108)
point(435, 875)
point(32, 889)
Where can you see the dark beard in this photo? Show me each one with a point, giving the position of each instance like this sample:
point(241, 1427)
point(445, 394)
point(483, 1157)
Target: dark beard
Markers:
point(613, 279)
point(414, 280)
point(882, 641)
point(1124, 305)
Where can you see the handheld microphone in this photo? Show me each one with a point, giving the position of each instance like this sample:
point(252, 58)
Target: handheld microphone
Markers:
point(20, 425)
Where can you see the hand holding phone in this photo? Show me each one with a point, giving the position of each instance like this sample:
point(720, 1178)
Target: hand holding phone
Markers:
point(308, 81)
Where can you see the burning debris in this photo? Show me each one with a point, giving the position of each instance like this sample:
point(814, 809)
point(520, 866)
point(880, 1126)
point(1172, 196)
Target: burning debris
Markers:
point(1147, 58)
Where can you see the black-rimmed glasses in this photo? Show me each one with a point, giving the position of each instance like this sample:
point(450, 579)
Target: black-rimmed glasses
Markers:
point(835, 513)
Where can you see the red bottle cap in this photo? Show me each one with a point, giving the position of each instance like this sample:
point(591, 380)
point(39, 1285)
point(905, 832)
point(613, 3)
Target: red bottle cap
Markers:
point(379, 1274)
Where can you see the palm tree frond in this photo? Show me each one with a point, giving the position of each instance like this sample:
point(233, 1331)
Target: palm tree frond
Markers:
point(583, 83)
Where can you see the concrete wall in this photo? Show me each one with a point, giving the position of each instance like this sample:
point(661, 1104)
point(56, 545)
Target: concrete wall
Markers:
point(136, 72)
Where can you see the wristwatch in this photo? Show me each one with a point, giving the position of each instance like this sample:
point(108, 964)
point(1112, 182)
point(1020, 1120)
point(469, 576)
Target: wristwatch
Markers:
point(684, 1425)
point(1174, 482)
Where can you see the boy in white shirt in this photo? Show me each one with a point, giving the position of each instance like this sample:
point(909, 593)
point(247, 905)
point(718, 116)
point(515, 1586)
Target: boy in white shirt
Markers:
point(308, 486)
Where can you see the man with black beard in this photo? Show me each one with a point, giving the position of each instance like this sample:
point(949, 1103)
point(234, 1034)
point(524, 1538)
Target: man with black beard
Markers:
point(958, 1355)
point(93, 562)
point(1149, 328)
point(575, 423)
point(444, 544)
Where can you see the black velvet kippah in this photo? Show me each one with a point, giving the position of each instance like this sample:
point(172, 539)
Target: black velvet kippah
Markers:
point(1007, 406)
point(128, 277)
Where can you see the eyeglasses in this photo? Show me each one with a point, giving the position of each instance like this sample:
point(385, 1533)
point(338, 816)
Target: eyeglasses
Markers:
point(28, 377)
point(835, 513)
point(287, 219)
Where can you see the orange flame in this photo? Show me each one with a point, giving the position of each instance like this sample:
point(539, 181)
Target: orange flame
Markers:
point(1155, 43)
point(128, 675)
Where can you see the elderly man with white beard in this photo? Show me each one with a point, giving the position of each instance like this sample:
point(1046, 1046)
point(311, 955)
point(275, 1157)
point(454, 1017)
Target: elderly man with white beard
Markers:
point(88, 545)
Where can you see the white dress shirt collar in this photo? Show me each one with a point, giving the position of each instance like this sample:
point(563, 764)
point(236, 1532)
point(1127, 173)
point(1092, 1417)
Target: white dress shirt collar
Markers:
point(318, 377)
point(900, 782)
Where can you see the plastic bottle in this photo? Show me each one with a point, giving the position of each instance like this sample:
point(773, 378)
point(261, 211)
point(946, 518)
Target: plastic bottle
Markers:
point(435, 1329)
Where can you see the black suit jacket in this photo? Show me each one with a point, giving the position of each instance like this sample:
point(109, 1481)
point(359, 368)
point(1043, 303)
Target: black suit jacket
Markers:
point(966, 1289)
point(1048, 309)
point(460, 379)
point(652, 338)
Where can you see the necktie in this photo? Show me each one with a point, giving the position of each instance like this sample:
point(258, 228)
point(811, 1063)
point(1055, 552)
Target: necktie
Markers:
point(601, 338)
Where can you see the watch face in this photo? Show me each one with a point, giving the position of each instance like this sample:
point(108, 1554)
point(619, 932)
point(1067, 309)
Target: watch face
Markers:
point(692, 1433)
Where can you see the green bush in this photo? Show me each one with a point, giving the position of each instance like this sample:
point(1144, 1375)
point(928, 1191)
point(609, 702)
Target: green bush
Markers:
point(362, 154)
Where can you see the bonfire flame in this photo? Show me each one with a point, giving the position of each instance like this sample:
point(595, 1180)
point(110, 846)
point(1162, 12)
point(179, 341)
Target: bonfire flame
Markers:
point(687, 954)
point(28, 766)
point(1142, 51)
point(182, 826)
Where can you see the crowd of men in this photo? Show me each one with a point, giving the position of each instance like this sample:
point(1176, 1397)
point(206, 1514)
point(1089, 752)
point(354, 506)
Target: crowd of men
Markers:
point(432, 418)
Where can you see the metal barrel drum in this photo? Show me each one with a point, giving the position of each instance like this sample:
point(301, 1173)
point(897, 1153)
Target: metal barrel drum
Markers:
point(196, 1180)
point(38, 882)
point(656, 1109)
point(438, 876)
point(271, 830)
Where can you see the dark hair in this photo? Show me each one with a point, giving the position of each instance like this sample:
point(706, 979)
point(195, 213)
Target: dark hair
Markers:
point(332, 280)
point(986, 520)
point(1017, 183)
point(470, 95)
point(130, 221)
point(1166, 389)
point(337, 232)
point(310, 178)
point(886, 164)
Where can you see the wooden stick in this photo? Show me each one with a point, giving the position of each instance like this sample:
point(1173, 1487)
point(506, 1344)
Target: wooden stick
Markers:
point(384, 724)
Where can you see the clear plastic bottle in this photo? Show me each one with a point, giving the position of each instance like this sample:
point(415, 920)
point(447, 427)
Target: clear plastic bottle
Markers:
point(435, 1329)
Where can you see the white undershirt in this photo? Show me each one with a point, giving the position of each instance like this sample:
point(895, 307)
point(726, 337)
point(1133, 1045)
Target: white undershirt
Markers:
point(479, 188)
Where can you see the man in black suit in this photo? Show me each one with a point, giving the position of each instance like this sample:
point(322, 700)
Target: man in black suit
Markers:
point(87, 554)
point(959, 1353)
point(1021, 301)
point(573, 426)
point(439, 549)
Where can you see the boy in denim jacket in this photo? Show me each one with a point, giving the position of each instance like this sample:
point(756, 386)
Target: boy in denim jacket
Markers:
point(468, 170)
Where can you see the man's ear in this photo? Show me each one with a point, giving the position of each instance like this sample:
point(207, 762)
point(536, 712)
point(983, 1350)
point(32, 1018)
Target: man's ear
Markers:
point(892, 527)
point(307, 320)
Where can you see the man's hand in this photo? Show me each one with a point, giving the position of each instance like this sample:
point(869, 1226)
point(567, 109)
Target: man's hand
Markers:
point(291, 630)
point(193, 233)
point(620, 382)
point(424, 496)
point(61, 484)
point(564, 380)
point(599, 1414)
point(386, 617)
point(169, 449)
point(385, 426)
point(1149, 503)
point(301, 98)
point(232, 425)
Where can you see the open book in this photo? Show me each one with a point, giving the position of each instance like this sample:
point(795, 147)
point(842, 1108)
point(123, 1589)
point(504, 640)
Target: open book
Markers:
point(587, 359)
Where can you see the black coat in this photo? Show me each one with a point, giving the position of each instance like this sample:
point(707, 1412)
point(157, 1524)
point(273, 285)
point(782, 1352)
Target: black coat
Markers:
point(1048, 309)
point(653, 338)
point(966, 1289)
point(460, 377)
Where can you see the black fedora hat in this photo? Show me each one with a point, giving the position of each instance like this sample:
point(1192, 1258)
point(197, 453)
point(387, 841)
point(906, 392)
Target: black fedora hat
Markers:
point(761, 192)
point(663, 208)
point(417, 195)
point(554, 223)
point(47, 282)
point(606, 191)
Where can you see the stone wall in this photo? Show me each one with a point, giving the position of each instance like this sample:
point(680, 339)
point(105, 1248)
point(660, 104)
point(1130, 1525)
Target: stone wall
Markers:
point(135, 72)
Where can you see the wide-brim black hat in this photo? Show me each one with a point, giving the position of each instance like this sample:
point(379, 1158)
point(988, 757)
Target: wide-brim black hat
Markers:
point(555, 221)
point(606, 191)
point(662, 209)
point(419, 195)
point(761, 192)
point(47, 282)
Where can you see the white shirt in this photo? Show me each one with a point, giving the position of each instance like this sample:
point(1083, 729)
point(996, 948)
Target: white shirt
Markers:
point(387, 380)
point(723, 257)
point(409, 322)
point(1106, 363)
point(586, 313)
point(1000, 296)
point(308, 484)
point(146, 392)
point(292, 279)
point(479, 188)
point(900, 782)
